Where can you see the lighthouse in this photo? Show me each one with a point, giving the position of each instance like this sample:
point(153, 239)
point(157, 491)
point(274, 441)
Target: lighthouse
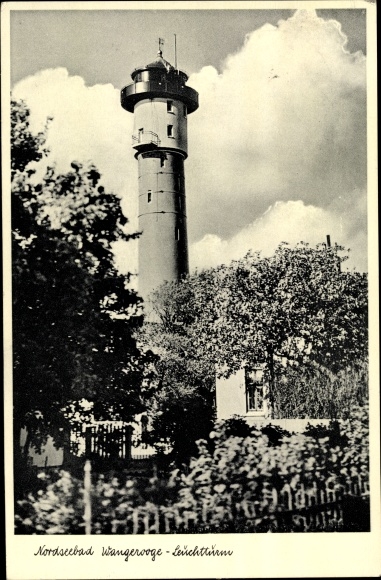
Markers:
point(161, 102)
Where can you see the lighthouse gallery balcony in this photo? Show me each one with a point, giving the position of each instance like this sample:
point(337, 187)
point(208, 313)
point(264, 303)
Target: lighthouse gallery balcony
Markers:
point(151, 89)
point(145, 138)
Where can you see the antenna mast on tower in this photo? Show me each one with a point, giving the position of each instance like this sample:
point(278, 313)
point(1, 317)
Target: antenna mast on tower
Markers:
point(175, 53)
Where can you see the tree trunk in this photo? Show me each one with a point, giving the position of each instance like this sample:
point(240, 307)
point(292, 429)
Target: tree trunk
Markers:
point(270, 365)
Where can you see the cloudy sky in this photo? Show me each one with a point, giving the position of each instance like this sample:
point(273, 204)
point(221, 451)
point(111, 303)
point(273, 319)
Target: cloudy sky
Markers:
point(277, 148)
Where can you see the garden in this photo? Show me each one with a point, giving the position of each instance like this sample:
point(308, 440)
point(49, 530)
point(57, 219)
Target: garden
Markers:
point(242, 479)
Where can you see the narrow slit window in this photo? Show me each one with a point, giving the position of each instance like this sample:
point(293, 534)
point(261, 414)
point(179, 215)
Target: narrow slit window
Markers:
point(149, 196)
point(177, 233)
point(185, 111)
point(170, 106)
point(180, 203)
point(162, 161)
point(170, 130)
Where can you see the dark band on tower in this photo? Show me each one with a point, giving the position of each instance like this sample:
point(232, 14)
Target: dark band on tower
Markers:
point(160, 101)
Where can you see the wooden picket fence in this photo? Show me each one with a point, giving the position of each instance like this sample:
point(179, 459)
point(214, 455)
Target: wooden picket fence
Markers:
point(108, 441)
point(335, 506)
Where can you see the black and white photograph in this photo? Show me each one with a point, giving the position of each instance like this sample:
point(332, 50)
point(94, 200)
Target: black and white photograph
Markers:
point(191, 289)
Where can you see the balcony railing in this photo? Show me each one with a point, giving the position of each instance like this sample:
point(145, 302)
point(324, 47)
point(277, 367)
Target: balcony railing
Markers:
point(145, 138)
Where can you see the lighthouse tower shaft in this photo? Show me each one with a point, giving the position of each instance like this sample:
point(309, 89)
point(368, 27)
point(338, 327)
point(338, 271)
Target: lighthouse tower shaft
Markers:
point(161, 103)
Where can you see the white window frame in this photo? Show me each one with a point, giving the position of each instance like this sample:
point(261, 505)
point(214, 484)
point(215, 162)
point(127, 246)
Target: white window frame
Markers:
point(255, 390)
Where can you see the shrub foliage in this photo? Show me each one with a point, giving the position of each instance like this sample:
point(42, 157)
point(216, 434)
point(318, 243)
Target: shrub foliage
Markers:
point(237, 469)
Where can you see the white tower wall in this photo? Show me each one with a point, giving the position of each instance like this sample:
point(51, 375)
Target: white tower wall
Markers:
point(153, 119)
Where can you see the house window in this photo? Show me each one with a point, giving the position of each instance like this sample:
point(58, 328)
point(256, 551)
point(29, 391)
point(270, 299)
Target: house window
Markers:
point(254, 383)
point(169, 130)
point(177, 233)
point(170, 107)
point(149, 196)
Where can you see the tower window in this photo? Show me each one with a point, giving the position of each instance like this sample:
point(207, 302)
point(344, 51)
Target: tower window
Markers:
point(177, 233)
point(185, 111)
point(162, 161)
point(169, 130)
point(170, 107)
point(180, 203)
point(149, 196)
point(254, 383)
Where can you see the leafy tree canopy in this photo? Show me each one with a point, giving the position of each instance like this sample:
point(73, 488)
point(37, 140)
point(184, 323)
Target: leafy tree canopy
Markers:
point(180, 392)
point(296, 305)
point(73, 314)
point(295, 311)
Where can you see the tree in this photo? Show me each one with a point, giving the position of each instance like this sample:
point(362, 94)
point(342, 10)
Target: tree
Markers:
point(73, 314)
point(295, 308)
point(295, 305)
point(295, 312)
point(180, 391)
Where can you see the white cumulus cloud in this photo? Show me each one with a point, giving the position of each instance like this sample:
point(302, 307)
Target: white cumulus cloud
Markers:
point(285, 221)
point(284, 120)
point(277, 148)
point(88, 125)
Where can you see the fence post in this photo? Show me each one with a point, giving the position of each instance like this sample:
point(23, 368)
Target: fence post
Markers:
point(87, 497)
point(88, 437)
point(128, 431)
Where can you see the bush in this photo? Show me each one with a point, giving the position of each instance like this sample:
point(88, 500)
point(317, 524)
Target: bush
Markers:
point(58, 506)
point(237, 427)
point(235, 484)
point(57, 509)
point(245, 470)
point(309, 392)
point(274, 433)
